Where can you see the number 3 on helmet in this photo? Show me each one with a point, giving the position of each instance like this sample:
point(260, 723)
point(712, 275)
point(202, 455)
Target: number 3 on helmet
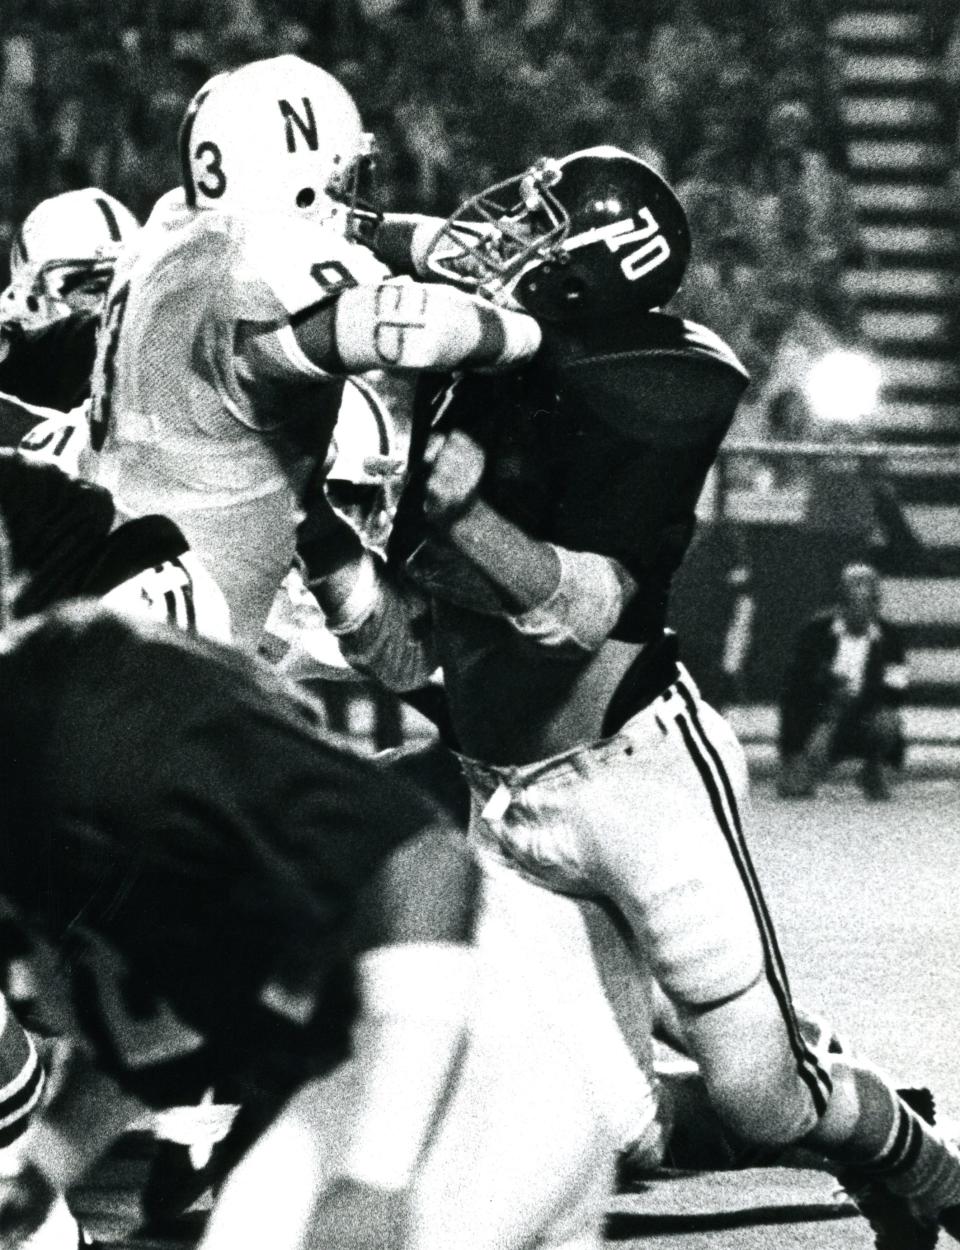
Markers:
point(595, 233)
point(277, 135)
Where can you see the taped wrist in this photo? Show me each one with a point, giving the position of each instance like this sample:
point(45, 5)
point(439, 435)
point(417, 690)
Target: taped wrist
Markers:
point(361, 601)
point(385, 630)
point(414, 1015)
point(584, 608)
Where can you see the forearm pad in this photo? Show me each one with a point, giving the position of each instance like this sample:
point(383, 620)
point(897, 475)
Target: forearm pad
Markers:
point(580, 614)
point(417, 325)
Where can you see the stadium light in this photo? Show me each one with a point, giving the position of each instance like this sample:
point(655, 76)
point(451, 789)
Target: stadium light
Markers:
point(843, 386)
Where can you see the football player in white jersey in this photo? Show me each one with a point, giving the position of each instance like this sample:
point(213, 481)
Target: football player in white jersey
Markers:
point(61, 263)
point(228, 334)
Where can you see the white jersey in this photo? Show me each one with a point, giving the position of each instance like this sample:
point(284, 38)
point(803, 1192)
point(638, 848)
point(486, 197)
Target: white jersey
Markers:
point(204, 407)
point(180, 592)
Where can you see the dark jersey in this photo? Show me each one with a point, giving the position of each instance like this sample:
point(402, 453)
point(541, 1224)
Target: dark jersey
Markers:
point(51, 368)
point(602, 443)
point(61, 535)
point(174, 820)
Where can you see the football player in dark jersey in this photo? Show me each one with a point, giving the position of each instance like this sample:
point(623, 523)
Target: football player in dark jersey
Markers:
point(61, 263)
point(546, 511)
point(208, 892)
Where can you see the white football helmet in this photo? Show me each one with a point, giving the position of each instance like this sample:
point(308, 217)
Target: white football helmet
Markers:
point(367, 465)
point(62, 258)
point(278, 135)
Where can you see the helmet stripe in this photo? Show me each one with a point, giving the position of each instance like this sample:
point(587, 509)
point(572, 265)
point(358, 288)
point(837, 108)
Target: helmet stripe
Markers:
point(378, 412)
point(20, 247)
point(110, 217)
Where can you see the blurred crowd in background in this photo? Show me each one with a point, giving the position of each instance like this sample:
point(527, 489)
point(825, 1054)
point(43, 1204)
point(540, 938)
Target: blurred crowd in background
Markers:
point(734, 100)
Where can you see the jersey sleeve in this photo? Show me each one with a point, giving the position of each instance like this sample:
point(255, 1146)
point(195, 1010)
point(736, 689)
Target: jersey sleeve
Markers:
point(276, 280)
point(56, 525)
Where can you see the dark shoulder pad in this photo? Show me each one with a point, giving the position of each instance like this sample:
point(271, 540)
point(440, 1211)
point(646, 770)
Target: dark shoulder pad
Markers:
point(56, 525)
point(16, 419)
point(653, 375)
point(698, 342)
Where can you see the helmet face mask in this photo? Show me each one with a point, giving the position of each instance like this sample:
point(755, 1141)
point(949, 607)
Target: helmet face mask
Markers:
point(63, 258)
point(493, 236)
point(278, 135)
point(594, 233)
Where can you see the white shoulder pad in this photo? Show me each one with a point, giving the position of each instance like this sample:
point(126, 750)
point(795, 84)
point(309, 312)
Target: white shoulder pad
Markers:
point(295, 264)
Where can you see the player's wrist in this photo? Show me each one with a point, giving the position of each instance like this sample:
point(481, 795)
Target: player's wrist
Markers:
point(507, 338)
point(349, 597)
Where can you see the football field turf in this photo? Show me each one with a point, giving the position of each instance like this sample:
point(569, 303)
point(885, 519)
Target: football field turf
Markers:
point(866, 900)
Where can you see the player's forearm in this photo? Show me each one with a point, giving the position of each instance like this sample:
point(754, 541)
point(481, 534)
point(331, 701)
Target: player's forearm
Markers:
point(528, 571)
point(413, 326)
point(383, 629)
point(563, 600)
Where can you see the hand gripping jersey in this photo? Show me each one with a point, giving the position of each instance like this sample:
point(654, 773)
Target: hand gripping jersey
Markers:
point(204, 407)
point(175, 824)
point(602, 443)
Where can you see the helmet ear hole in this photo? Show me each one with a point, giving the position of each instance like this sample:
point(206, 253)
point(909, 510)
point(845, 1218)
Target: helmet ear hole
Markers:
point(305, 197)
point(573, 290)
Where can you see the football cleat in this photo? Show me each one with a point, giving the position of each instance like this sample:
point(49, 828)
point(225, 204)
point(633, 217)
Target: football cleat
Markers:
point(896, 1223)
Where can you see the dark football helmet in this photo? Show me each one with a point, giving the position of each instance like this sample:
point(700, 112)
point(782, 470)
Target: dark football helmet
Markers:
point(597, 232)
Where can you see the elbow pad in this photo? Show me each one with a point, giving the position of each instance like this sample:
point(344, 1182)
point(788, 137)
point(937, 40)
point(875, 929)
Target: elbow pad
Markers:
point(585, 607)
point(418, 325)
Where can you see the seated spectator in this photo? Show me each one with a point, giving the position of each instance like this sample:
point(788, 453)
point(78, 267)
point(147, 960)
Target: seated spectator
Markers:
point(842, 694)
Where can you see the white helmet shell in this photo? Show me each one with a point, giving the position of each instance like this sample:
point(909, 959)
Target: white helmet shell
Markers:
point(277, 135)
point(364, 439)
point(63, 257)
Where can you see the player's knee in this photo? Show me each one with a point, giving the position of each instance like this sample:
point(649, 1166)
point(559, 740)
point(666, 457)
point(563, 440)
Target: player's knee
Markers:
point(768, 1109)
point(750, 1067)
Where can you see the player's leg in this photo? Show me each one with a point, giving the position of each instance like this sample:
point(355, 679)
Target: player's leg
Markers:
point(777, 1089)
point(524, 1154)
point(270, 1197)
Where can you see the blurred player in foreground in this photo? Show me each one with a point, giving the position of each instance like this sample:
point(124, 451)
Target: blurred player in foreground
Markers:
point(531, 558)
point(207, 892)
point(228, 334)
